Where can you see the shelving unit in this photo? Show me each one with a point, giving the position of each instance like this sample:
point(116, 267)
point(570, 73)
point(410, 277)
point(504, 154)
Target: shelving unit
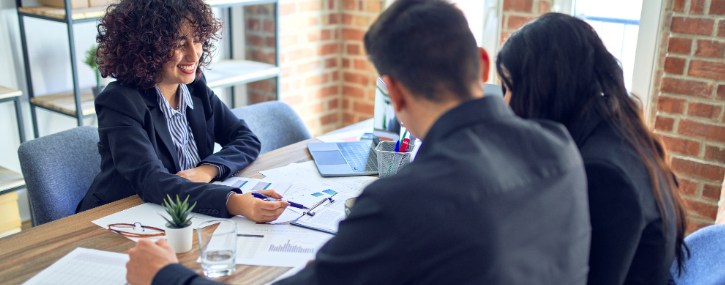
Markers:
point(224, 73)
point(11, 181)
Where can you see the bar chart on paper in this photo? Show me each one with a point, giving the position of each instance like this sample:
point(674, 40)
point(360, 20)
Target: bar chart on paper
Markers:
point(293, 248)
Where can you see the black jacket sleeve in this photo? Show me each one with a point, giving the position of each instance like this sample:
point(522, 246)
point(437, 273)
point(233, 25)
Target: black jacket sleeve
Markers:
point(365, 251)
point(617, 223)
point(177, 274)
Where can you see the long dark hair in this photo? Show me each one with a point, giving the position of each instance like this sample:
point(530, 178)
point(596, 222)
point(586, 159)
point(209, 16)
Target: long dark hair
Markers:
point(558, 69)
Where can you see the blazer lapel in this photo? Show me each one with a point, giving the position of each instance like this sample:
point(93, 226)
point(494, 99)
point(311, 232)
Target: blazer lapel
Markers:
point(197, 122)
point(161, 126)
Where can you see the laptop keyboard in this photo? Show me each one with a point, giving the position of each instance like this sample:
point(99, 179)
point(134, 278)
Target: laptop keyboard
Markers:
point(359, 155)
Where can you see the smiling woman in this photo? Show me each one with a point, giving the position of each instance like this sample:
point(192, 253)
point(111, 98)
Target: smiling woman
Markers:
point(159, 121)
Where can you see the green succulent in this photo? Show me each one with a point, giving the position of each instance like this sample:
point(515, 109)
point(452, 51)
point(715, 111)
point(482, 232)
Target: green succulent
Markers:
point(91, 61)
point(179, 212)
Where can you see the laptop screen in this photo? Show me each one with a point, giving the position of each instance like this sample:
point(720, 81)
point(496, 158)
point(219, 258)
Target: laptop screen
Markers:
point(386, 125)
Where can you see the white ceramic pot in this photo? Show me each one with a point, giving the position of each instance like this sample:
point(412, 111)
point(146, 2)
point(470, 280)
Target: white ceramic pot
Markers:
point(180, 239)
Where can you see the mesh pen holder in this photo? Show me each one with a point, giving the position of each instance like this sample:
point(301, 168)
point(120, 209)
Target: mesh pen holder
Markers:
point(389, 161)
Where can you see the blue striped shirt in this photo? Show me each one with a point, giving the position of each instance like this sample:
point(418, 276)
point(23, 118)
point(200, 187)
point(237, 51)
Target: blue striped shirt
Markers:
point(180, 131)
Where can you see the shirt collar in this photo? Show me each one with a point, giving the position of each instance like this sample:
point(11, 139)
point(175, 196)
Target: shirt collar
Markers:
point(184, 101)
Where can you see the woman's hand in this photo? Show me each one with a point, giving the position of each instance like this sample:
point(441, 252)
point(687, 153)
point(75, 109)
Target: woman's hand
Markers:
point(256, 209)
point(204, 173)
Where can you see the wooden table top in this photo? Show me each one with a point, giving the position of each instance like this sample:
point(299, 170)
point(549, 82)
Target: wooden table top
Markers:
point(25, 254)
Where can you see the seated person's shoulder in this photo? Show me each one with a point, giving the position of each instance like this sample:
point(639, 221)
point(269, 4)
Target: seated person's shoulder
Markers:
point(120, 96)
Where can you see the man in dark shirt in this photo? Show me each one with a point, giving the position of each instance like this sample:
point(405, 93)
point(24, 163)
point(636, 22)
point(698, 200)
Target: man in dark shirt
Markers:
point(490, 198)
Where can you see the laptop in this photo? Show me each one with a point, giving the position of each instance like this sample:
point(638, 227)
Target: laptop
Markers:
point(359, 158)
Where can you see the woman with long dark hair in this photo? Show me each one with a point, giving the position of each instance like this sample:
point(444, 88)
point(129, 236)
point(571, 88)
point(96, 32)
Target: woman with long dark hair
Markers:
point(557, 68)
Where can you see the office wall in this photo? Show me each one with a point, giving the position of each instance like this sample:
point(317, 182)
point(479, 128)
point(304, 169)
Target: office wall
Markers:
point(690, 101)
point(326, 76)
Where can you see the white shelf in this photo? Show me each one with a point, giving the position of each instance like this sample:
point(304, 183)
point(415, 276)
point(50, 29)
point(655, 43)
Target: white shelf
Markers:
point(8, 93)
point(225, 73)
point(10, 180)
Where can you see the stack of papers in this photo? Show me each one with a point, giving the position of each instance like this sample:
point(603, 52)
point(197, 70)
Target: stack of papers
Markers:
point(84, 266)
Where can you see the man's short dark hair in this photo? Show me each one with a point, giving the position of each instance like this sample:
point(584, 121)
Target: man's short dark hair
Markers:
point(427, 46)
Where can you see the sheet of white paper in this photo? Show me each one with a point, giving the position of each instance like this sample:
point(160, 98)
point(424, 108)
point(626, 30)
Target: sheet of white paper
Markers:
point(84, 266)
point(306, 172)
point(148, 215)
point(248, 184)
point(289, 273)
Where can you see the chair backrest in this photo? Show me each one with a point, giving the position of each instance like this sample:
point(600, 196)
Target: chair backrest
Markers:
point(275, 123)
point(58, 170)
point(706, 264)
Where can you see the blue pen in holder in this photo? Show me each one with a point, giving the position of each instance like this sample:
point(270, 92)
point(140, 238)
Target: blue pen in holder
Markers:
point(390, 161)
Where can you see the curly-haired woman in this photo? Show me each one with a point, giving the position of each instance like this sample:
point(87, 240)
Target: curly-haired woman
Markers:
point(159, 121)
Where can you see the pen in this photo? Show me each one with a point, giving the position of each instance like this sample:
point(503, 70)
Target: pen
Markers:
point(267, 198)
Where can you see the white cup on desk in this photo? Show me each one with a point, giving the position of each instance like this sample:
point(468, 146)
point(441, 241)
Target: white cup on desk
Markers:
point(217, 247)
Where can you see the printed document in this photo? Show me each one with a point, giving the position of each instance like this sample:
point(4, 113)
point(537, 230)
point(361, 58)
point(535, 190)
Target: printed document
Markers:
point(84, 266)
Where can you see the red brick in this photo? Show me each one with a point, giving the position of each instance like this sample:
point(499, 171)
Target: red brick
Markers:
point(701, 130)
point(353, 49)
point(664, 124)
point(355, 78)
point(328, 119)
point(353, 92)
point(328, 49)
point(518, 5)
point(361, 64)
point(701, 209)
point(333, 104)
point(345, 104)
point(336, 76)
point(720, 95)
point(697, 7)
point(270, 42)
point(348, 119)
point(334, 19)
point(330, 62)
point(286, 9)
point(345, 62)
point(674, 65)
point(516, 22)
point(255, 41)
point(679, 45)
point(714, 153)
point(710, 48)
point(346, 19)
point(262, 85)
point(331, 4)
point(681, 146)
point(375, 6)
point(697, 169)
point(544, 7)
point(252, 24)
point(694, 26)
point(670, 105)
point(679, 6)
point(711, 192)
point(686, 87)
point(269, 26)
point(703, 110)
point(326, 92)
point(688, 187)
point(325, 35)
point(349, 5)
point(363, 107)
point(717, 7)
point(352, 34)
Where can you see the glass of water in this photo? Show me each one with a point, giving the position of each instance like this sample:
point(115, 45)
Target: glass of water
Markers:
point(217, 247)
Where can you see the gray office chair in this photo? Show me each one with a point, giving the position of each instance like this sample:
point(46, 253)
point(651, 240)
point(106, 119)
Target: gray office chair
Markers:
point(706, 265)
point(58, 170)
point(275, 123)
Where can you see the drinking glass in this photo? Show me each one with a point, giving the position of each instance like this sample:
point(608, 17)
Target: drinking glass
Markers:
point(217, 247)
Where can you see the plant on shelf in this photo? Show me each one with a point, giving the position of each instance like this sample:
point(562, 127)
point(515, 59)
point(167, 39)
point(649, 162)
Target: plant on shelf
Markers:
point(179, 232)
point(91, 61)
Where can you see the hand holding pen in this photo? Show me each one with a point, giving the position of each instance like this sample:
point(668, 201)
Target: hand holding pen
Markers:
point(267, 198)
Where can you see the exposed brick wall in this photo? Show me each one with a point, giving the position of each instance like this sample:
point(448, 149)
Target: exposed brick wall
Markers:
point(690, 102)
point(516, 13)
point(326, 76)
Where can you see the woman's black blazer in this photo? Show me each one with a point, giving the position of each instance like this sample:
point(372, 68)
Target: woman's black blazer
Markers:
point(631, 242)
point(138, 155)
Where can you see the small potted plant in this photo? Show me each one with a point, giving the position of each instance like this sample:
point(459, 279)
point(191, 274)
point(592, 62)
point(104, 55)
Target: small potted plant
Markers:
point(93, 64)
point(179, 232)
